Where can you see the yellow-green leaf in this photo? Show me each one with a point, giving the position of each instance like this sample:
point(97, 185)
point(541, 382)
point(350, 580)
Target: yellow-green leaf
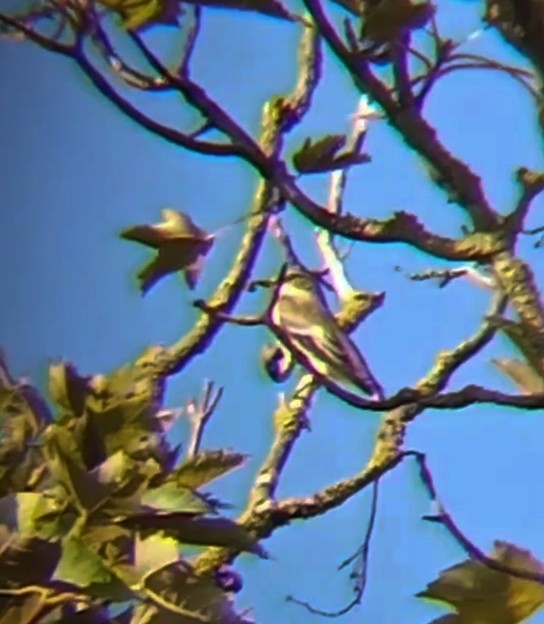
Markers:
point(481, 595)
point(139, 14)
point(180, 246)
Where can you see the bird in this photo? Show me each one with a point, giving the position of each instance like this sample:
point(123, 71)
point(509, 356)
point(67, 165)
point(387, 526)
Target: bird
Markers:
point(302, 320)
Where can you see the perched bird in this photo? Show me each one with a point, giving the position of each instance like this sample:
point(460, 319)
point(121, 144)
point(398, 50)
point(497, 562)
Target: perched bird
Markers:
point(304, 323)
point(180, 245)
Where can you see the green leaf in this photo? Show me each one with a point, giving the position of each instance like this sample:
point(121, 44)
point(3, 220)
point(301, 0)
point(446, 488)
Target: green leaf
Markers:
point(66, 465)
point(205, 467)
point(389, 19)
point(114, 545)
point(21, 419)
point(172, 497)
point(33, 514)
point(180, 246)
point(153, 552)
point(482, 595)
point(140, 14)
point(80, 565)
point(68, 388)
point(122, 410)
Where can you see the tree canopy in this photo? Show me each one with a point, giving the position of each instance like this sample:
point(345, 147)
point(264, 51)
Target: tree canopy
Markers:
point(380, 163)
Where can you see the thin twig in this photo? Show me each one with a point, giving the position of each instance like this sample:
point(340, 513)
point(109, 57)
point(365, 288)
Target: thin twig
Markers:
point(443, 517)
point(360, 567)
point(199, 414)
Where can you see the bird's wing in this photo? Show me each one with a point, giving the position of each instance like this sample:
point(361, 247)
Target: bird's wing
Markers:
point(309, 336)
point(357, 369)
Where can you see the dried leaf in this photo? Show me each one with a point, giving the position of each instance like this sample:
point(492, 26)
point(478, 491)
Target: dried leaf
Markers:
point(386, 20)
point(482, 595)
point(526, 378)
point(317, 156)
point(180, 245)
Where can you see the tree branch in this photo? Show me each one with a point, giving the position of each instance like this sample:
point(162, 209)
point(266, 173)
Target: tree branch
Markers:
point(463, 185)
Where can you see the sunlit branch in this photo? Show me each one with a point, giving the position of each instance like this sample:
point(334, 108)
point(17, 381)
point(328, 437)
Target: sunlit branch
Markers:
point(338, 179)
point(310, 59)
point(266, 515)
point(235, 282)
point(387, 452)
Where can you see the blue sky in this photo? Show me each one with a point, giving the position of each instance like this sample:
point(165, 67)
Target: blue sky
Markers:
point(75, 172)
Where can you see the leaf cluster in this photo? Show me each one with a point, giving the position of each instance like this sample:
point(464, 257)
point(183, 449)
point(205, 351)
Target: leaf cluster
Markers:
point(114, 509)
